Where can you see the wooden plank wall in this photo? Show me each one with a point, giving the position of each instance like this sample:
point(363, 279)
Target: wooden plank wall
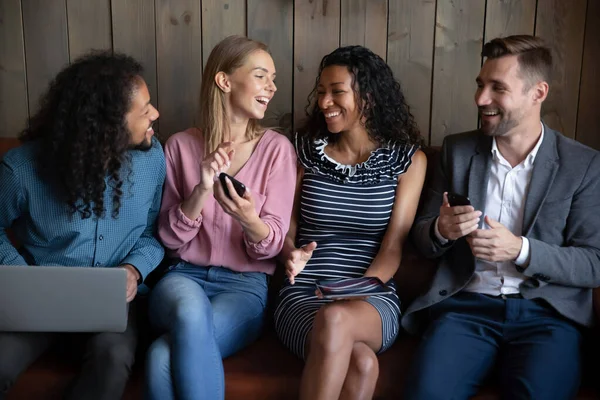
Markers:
point(433, 47)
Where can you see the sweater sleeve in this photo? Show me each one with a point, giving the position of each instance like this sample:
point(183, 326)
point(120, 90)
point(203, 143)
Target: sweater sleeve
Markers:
point(277, 208)
point(174, 228)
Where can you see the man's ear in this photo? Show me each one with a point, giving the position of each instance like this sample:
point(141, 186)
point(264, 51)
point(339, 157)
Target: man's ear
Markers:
point(540, 91)
point(222, 81)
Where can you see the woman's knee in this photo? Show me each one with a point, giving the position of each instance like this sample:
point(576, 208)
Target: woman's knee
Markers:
point(179, 302)
point(331, 328)
point(363, 361)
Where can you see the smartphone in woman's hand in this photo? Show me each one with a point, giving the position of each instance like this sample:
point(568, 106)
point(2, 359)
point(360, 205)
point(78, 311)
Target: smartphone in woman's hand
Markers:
point(239, 187)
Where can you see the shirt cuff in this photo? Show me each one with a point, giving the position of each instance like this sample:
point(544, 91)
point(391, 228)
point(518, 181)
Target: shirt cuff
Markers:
point(438, 235)
point(260, 246)
point(191, 223)
point(523, 258)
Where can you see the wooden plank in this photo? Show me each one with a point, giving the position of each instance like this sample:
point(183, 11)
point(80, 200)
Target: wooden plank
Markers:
point(271, 22)
point(410, 54)
point(219, 20)
point(134, 33)
point(89, 26)
point(7, 143)
point(457, 60)
point(13, 79)
point(588, 123)
point(46, 44)
point(316, 33)
point(179, 66)
point(509, 17)
point(562, 25)
point(364, 22)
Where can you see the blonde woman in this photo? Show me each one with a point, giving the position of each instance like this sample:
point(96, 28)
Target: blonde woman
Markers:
point(211, 302)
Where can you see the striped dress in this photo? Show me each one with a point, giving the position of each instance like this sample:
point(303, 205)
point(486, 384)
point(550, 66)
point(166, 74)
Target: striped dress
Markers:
point(346, 210)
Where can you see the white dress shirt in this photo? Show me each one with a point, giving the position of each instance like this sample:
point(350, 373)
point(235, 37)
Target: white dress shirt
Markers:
point(505, 202)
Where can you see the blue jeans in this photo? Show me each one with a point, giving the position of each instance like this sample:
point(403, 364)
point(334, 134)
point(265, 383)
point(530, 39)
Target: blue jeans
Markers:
point(536, 352)
point(206, 314)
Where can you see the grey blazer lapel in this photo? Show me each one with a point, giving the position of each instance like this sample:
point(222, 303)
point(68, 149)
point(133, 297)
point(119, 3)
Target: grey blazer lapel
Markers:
point(545, 167)
point(479, 173)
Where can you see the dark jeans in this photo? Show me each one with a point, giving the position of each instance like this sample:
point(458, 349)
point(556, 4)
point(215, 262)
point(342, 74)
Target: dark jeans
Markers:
point(536, 351)
point(107, 359)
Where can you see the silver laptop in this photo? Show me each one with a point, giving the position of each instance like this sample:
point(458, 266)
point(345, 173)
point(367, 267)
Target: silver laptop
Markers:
point(62, 299)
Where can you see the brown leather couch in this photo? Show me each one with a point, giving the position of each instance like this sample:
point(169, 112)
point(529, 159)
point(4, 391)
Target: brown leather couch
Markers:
point(266, 369)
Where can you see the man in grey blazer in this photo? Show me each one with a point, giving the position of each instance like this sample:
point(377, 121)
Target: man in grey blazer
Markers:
point(513, 287)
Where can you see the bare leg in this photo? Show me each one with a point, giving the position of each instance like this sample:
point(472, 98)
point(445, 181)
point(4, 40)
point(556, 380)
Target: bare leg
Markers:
point(362, 374)
point(338, 327)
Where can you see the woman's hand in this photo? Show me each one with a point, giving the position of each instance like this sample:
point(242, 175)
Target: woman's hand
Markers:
point(240, 208)
point(216, 162)
point(298, 259)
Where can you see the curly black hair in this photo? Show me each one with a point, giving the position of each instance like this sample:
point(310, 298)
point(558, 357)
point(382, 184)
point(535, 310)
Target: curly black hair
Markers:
point(82, 130)
point(387, 116)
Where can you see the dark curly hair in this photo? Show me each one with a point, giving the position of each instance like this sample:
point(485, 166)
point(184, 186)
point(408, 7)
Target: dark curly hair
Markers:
point(388, 117)
point(82, 129)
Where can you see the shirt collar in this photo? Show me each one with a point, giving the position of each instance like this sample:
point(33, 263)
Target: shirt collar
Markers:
point(530, 157)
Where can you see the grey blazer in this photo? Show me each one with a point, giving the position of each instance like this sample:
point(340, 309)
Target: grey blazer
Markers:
point(561, 221)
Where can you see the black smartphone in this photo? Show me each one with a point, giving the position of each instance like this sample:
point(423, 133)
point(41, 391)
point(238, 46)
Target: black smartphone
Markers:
point(351, 287)
point(456, 199)
point(237, 185)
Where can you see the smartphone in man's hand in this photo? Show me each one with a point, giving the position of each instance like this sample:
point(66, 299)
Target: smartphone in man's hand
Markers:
point(455, 199)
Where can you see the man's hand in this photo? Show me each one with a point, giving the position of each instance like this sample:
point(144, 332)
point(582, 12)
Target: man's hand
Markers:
point(495, 244)
point(132, 281)
point(298, 259)
point(456, 222)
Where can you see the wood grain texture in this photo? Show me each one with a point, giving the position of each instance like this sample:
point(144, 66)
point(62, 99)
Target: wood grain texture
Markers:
point(509, 17)
point(134, 33)
point(364, 22)
point(46, 44)
point(271, 22)
point(89, 26)
point(588, 122)
point(410, 54)
point(316, 33)
point(179, 66)
point(221, 18)
point(14, 110)
point(457, 60)
point(562, 25)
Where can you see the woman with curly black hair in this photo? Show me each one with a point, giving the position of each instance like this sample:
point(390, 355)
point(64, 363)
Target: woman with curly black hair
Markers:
point(358, 189)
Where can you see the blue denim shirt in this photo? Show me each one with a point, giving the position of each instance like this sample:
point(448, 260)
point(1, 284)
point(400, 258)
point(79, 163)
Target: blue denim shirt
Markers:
point(51, 235)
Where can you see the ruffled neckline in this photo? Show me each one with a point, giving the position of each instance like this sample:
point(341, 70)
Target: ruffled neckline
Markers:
point(345, 169)
point(384, 163)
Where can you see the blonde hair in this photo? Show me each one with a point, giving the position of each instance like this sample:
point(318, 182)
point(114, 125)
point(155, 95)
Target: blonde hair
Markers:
point(227, 56)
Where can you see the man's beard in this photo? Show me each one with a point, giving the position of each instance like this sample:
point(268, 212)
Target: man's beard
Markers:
point(499, 129)
point(145, 145)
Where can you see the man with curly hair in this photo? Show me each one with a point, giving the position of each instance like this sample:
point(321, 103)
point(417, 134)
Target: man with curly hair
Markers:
point(84, 189)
